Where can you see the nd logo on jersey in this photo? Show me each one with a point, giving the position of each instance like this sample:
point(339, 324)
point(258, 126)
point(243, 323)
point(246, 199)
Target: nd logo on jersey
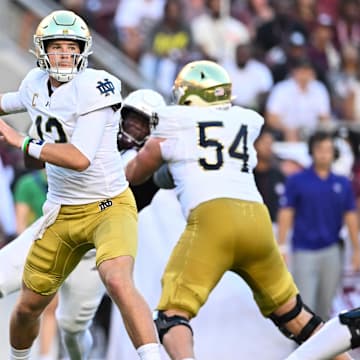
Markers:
point(105, 204)
point(105, 87)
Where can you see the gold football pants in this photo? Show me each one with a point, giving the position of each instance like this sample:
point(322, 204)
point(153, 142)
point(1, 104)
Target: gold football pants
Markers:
point(110, 226)
point(226, 234)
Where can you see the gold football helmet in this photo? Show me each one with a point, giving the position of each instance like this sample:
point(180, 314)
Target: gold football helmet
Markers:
point(202, 83)
point(65, 25)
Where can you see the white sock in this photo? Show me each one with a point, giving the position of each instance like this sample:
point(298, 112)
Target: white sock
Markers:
point(149, 352)
point(23, 354)
point(332, 339)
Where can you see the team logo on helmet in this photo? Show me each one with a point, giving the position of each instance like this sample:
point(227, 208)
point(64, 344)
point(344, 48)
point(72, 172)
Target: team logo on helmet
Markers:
point(202, 83)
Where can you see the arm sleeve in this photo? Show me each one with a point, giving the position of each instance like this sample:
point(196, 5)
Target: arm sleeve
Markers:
point(168, 124)
point(11, 102)
point(88, 138)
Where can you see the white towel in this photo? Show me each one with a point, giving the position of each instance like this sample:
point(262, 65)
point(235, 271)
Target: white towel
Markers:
point(50, 211)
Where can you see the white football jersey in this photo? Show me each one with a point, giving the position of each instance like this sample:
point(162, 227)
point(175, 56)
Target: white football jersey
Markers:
point(210, 152)
point(55, 119)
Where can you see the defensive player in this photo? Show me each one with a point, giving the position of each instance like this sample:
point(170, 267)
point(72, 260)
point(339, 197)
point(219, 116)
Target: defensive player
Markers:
point(89, 204)
point(208, 145)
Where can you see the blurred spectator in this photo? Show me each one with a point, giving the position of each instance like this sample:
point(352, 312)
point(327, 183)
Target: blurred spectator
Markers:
point(167, 46)
point(100, 15)
point(142, 14)
point(29, 194)
point(306, 13)
point(345, 161)
point(321, 50)
point(347, 26)
point(216, 33)
point(77, 6)
point(329, 7)
point(268, 176)
point(316, 205)
point(354, 140)
point(294, 156)
point(252, 13)
point(133, 21)
point(275, 33)
point(193, 8)
point(7, 209)
point(294, 49)
point(346, 85)
point(251, 79)
point(298, 104)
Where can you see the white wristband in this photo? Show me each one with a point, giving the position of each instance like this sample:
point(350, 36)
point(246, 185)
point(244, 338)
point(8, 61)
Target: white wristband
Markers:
point(35, 147)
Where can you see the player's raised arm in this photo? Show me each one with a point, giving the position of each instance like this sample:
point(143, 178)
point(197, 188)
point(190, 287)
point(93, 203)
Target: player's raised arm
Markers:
point(65, 155)
point(147, 161)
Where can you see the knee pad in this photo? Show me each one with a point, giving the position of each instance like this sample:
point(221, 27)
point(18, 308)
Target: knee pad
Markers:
point(351, 319)
point(306, 331)
point(165, 323)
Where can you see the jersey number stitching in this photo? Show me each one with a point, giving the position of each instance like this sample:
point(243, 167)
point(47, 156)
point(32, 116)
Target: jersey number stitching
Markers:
point(49, 125)
point(240, 141)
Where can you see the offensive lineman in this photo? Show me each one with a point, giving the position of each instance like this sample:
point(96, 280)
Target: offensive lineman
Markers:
point(208, 146)
point(88, 203)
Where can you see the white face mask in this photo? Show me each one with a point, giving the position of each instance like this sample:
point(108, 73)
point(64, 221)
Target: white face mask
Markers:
point(65, 74)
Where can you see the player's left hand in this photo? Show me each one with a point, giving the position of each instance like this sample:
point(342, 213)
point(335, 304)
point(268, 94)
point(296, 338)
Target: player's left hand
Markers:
point(10, 135)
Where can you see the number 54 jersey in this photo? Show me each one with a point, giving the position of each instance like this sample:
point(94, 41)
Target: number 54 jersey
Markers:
point(210, 152)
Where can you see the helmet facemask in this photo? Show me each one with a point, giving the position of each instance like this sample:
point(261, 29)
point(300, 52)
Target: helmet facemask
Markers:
point(62, 25)
point(134, 129)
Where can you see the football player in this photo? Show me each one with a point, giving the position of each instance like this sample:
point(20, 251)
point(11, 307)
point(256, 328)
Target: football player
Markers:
point(209, 147)
point(80, 299)
point(89, 203)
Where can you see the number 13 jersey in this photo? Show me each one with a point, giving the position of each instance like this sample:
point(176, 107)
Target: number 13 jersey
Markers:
point(210, 152)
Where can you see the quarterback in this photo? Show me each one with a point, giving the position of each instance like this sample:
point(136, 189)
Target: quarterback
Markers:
point(208, 146)
point(80, 299)
point(74, 110)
